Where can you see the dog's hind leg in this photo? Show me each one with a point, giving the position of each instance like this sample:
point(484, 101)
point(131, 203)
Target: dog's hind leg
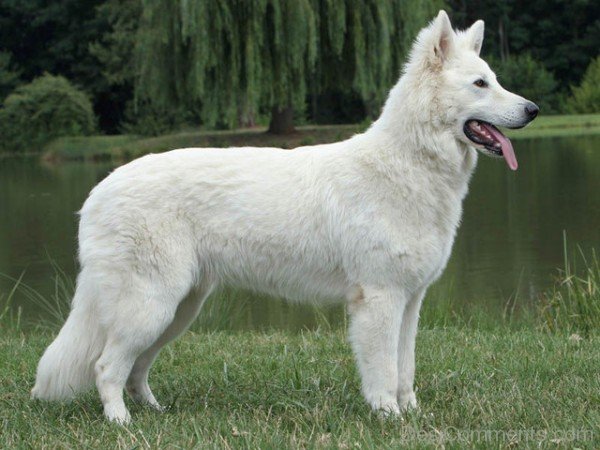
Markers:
point(375, 320)
point(187, 311)
point(139, 315)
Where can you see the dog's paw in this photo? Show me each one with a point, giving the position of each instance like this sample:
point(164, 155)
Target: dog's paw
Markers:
point(117, 414)
point(387, 407)
point(408, 401)
point(142, 394)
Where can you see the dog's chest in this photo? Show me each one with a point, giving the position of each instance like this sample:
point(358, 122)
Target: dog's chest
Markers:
point(418, 231)
point(429, 245)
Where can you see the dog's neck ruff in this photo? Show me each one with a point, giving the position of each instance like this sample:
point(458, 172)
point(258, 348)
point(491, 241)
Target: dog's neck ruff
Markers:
point(413, 122)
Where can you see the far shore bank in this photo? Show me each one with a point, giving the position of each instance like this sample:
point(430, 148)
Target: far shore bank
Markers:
point(120, 148)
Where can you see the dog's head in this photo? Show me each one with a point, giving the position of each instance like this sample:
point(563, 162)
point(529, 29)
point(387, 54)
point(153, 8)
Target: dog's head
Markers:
point(468, 95)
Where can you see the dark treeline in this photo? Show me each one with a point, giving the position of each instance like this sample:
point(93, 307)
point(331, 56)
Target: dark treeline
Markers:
point(149, 66)
point(563, 35)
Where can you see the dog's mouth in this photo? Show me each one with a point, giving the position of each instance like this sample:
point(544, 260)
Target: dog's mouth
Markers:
point(487, 136)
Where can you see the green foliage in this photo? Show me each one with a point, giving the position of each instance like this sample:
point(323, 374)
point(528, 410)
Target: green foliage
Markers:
point(52, 37)
point(235, 59)
point(115, 48)
point(563, 35)
point(586, 97)
point(9, 77)
point(524, 75)
point(363, 44)
point(56, 37)
point(227, 56)
point(46, 108)
point(152, 119)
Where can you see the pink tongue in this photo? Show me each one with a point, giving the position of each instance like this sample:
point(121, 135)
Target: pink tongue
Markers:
point(507, 148)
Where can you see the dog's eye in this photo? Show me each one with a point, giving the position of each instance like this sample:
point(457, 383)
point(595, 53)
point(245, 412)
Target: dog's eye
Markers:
point(480, 83)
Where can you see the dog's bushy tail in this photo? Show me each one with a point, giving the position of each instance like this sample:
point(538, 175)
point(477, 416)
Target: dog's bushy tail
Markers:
point(67, 366)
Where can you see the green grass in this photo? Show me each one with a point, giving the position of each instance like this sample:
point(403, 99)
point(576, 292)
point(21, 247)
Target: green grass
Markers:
point(279, 390)
point(479, 385)
point(573, 305)
point(127, 147)
point(88, 148)
point(559, 126)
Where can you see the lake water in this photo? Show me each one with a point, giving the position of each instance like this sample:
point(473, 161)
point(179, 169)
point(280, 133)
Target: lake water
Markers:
point(509, 245)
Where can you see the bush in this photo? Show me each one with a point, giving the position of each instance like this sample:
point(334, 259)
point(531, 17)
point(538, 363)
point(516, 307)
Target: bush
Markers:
point(585, 98)
point(528, 77)
point(44, 109)
point(148, 119)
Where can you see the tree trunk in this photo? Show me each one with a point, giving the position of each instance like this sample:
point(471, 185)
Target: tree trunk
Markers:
point(282, 120)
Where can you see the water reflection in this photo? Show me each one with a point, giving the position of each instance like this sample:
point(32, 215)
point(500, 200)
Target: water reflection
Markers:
point(510, 241)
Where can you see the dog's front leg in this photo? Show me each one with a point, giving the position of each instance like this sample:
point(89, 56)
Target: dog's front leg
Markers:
point(376, 317)
point(406, 352)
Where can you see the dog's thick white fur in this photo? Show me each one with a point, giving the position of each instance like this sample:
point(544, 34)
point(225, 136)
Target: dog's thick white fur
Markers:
point(369, 221)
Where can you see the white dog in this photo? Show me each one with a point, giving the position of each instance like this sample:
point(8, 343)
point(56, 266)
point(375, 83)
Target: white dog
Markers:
point(369, 221)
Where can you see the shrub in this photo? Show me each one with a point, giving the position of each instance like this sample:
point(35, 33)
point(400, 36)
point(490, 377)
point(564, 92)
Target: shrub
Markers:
point(585, 98)
point(148, 119)
point(528, 77)
point(44, 109)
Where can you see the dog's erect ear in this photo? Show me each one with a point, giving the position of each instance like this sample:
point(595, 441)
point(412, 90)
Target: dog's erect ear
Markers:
point(443, 36)
point(475, 36)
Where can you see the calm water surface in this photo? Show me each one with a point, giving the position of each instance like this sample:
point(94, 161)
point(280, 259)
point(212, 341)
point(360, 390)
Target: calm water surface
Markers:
point(509, 243)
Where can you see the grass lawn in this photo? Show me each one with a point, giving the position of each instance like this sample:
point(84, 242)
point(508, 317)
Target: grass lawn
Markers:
point(482, 389)
point(126, 147)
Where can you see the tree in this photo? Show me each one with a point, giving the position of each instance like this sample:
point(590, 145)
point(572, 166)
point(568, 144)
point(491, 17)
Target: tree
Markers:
point(229, 56)
point(236, 58)
point(363, 44)
point(563, 35)
point(586, 97)
point(9, 76)
point(528, 77)
point(114, 50)
point(55, 37)
point(51, 37)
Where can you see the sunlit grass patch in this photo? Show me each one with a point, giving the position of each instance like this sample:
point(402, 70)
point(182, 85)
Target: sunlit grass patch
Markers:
point(86, 148)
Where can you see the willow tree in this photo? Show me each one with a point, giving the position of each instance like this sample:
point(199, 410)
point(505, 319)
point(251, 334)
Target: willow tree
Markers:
point(364, 43)
point(233, 58)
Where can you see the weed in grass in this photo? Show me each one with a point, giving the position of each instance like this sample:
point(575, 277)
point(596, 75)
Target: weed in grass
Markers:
point(8, 317)
point(573, 305)
point(54, 309)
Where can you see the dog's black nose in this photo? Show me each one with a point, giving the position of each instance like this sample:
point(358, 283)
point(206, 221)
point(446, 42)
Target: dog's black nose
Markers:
point(532, 110)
